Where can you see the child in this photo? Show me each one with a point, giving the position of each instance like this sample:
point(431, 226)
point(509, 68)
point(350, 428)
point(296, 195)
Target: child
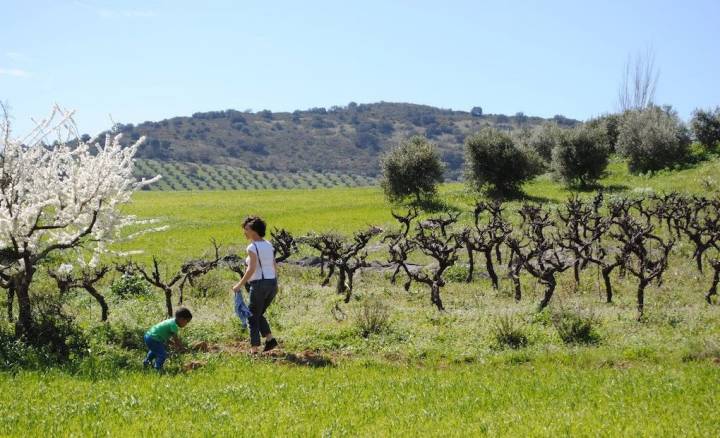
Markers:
point(158, 335)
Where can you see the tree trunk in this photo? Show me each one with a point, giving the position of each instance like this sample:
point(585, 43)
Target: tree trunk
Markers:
point(518, 289)
point(576, 273)
point(168, 301)
point(471, 261)
point(393, 279)
point(10, 301)
point(331, 272)
point(550, 281)
point(341, 286)
point(713, 287)
point(491, 269)
point(698, 260)
point(349, 288)
point(435, 296)
point(498, 253)
point(641, 298)
point(100, 299)
point(608, 285)
point(24, 326)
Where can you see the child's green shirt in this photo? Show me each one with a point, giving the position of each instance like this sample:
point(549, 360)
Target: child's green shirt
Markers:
point(163, 330)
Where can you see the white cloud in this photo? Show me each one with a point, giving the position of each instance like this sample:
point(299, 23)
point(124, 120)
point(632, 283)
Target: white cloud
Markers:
point(15, 72)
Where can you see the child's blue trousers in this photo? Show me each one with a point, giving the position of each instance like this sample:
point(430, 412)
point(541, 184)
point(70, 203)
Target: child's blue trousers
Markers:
point(156, 351)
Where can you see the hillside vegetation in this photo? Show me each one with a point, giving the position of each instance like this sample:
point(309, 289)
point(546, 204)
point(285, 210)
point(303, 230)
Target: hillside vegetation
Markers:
point(345, 140)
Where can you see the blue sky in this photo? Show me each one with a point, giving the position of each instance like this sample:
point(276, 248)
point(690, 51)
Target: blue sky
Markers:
point(153, 59)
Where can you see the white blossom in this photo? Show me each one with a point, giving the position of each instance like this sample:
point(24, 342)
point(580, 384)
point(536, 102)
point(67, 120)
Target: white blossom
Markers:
point(58, 193)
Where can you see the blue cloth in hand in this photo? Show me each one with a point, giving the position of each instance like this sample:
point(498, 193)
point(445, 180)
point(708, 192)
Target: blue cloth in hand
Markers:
point(241, 310)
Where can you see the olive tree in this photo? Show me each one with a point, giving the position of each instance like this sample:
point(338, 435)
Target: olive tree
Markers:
point(580, 156)
point(412, 168)
point(493, 159)
point(543, 139)
point(610, 125)
point(652, 139)
point(706, 127)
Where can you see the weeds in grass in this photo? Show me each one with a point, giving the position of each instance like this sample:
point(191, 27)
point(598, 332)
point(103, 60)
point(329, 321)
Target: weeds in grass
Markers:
point(709, 349)
point(509, 333)
point(373, 317)
point(576, 326)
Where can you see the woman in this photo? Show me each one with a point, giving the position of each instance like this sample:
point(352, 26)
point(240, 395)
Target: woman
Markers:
point(261, 276)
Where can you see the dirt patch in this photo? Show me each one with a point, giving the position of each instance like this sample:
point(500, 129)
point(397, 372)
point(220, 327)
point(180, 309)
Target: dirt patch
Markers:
point(193, 365)
point(308, 358)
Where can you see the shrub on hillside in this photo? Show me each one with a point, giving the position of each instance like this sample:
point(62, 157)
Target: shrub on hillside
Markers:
point(492, 158)
point(413, 168)
point(652, 139)
point(706, 127)
point(580, 155)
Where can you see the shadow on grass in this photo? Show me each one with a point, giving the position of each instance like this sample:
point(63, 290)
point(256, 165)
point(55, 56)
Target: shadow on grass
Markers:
point(591, 188)
point(432, 205)
point(516, 195)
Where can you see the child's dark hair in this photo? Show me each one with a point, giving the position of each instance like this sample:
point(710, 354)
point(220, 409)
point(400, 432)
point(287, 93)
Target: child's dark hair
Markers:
point(256, 224)
point(183, 313)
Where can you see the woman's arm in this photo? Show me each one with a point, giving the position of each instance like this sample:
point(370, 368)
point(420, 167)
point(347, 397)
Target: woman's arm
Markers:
point(248, 274)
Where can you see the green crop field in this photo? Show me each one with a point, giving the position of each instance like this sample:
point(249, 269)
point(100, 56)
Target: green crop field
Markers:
point(422, 372)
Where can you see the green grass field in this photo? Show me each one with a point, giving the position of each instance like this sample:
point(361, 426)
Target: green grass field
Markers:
point(194, 217)
point(424, 372)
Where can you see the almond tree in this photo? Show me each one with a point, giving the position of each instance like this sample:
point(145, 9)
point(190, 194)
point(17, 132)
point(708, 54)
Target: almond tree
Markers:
point(56, 198)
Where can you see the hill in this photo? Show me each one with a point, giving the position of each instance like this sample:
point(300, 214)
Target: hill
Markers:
point(344, 140)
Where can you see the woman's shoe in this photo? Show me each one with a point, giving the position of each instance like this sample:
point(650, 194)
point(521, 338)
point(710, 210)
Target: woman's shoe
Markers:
point(271, 344)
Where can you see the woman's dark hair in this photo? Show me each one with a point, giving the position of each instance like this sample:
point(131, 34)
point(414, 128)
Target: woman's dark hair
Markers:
point(256, 224)
point(183, 313)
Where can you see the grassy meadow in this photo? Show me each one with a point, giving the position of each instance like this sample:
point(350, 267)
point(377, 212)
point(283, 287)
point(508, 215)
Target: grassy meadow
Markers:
point(420, 371)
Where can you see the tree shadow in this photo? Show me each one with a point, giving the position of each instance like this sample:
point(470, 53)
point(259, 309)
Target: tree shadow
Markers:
point(589, 188)
point(433, 205)
point(516, 195)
